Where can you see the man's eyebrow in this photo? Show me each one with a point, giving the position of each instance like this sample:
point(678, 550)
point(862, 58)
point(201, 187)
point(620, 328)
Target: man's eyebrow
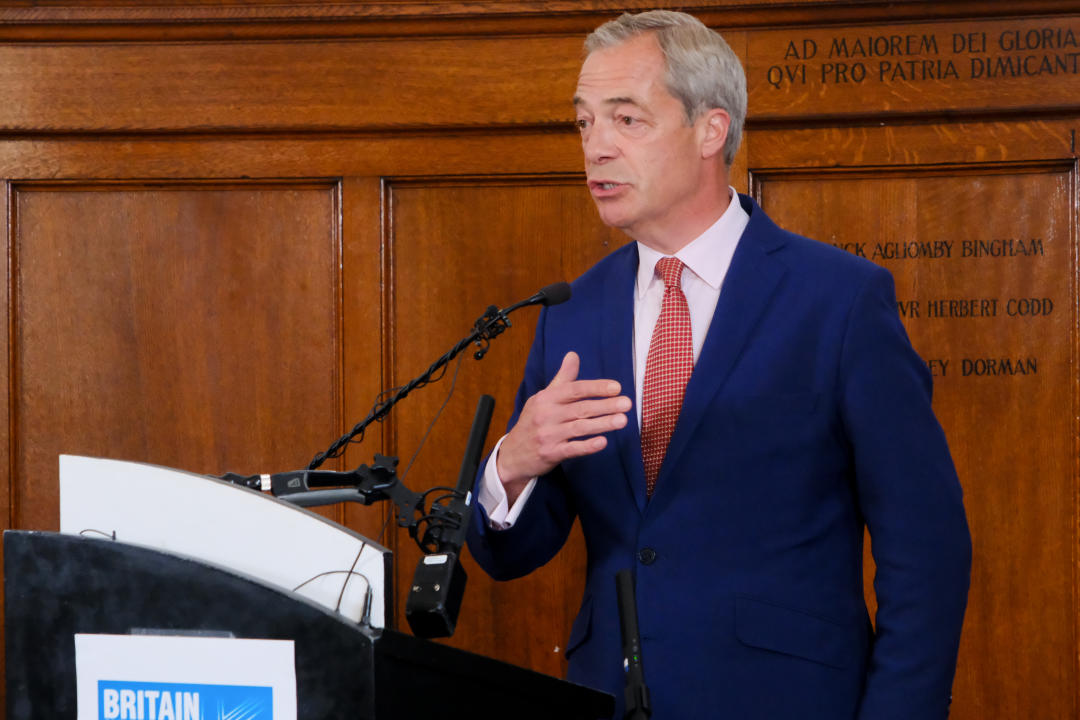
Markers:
point(619, 100)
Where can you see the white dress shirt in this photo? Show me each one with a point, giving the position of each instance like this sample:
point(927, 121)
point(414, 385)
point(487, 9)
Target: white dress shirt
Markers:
point(706, 259)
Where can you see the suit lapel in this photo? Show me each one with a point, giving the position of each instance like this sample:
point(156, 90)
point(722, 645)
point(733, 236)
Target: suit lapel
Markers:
point(617, 358)
point(748, 288)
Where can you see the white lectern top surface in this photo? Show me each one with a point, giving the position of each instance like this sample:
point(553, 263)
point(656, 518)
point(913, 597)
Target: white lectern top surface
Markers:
point(228, 525)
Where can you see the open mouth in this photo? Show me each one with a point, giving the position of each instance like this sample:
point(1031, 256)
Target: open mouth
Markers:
point(604, 186)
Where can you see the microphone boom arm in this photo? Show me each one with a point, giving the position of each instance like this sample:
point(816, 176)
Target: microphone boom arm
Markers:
point(487, 327)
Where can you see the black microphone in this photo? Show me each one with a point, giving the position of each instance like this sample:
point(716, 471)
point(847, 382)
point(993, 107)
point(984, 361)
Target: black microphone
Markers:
point(553, 294)
point(438, 584)
point(636, 695)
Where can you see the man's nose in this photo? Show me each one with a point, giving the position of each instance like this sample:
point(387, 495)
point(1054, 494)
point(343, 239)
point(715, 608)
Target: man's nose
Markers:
point(599, 143)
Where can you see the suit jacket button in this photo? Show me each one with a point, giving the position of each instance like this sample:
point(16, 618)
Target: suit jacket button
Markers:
point(647, 556)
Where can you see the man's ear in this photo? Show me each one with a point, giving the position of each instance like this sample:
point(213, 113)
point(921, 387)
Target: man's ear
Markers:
point(714, 126)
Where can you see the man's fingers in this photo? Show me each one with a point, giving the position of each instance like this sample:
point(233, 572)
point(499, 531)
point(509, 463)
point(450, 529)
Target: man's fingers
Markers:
point(576, 435)
point(568, 370)
point(580, 391)
point(598, 407)
point(578, 448)
point(594, 426)
point(584, 389)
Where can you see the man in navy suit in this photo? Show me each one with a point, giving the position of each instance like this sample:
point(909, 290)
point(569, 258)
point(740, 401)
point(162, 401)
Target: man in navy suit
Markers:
point(806, 418)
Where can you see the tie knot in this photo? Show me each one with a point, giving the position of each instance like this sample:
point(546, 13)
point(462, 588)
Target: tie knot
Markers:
point(670, 271)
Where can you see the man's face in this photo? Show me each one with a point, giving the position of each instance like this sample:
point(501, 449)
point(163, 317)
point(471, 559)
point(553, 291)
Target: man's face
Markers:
point(643, 162)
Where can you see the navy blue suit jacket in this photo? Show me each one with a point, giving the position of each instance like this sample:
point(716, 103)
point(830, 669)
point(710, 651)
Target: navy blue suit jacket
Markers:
point(807, 417)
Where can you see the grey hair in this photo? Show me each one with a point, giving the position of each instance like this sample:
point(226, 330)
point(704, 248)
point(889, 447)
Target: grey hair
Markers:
point(702, 70)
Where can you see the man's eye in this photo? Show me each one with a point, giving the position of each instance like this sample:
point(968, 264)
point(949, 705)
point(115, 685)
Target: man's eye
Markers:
point(627, 120)
point(581, 124)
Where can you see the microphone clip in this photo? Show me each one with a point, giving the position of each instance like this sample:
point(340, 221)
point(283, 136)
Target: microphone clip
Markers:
point(489, 326)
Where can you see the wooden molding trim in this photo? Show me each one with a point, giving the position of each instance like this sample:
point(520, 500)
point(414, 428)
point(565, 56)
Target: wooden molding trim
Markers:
point(762, 176)
point(112, 20)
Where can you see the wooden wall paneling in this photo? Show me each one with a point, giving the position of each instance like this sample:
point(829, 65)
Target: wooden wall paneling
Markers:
point(195, 19)
point(225, 156)
point(7, 486)
point(312, 86)
point(189, 325)
point(364, 318)
point(984, 257)
point(523, 152)
point(459, 245)
point(867, 146)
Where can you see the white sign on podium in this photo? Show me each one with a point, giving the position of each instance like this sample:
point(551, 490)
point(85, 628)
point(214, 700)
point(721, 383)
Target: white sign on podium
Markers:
point(158, 677)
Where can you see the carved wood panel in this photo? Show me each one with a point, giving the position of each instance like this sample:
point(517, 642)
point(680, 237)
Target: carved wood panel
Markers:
point(189, 325)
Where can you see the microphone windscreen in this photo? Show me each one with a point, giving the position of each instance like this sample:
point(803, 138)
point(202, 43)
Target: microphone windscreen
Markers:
point(554, 294)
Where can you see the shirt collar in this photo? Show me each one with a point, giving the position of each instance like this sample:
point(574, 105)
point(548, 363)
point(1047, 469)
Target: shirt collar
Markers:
point(707, 256)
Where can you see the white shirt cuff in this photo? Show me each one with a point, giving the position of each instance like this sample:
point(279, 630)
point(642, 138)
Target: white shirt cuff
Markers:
point(492, 495)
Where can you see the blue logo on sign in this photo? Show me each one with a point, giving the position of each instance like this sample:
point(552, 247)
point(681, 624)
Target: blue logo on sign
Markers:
point(121, 700)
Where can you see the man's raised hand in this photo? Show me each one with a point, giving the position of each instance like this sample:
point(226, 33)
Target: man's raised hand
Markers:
point(564, 420)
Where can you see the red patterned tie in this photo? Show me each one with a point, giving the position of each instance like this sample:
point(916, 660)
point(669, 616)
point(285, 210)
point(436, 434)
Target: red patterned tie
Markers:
point(667, 370)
